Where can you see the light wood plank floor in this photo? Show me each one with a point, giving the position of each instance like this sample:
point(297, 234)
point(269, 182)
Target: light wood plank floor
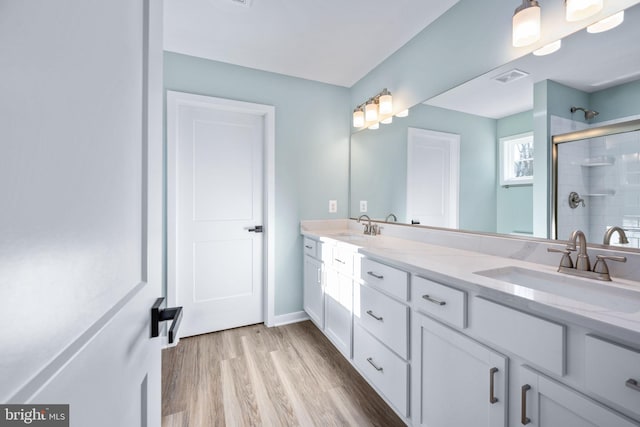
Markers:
point(258, 376)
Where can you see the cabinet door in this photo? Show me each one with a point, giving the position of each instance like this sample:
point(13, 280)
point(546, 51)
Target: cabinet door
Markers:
point(313, 292)
point(338, 309)
point(456, 380)
point(542, 402)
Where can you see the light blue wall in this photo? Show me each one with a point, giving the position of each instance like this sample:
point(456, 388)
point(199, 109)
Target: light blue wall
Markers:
point(470, 39)
point(312, 150)
point(514, 204)
point(379, 159)
point(616, 102)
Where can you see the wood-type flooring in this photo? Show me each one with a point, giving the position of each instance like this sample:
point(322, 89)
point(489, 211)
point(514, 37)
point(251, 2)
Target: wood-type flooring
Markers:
point(257, 376)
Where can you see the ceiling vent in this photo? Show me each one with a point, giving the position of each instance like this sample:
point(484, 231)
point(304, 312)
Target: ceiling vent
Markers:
point(511, 76)
point(245, 3)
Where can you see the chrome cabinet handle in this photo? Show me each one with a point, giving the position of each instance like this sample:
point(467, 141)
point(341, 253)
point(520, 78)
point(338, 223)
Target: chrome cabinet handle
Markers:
point(370, 360)
point(370, 313)
point(632, 384)
point(523, 404)
point(435, 301)
point(308, 246)
point(492, 375)
point(319, 276)
point(371, 273)
point(339, 260)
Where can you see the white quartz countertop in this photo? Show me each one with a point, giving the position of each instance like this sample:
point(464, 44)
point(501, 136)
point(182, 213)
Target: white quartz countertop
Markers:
point(459, 267)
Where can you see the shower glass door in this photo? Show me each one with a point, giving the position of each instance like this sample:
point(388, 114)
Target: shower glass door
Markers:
point(597, 182)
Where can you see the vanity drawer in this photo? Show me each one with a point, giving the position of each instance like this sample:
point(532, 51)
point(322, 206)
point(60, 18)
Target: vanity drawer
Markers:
point(613, 372)
point(384, 318)
point(440, 301)
point(391, 280)
point(311, 247)
point(385, 370)
point(342, 260)
point(537, 340)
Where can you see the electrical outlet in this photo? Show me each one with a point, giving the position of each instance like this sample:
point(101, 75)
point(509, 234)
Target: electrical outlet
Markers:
point(363, 206)
point(333, 206)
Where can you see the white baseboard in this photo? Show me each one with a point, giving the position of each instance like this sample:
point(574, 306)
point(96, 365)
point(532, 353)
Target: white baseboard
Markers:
point(285, 319)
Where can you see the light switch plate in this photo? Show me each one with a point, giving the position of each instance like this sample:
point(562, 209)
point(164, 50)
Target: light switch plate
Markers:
point(333, 206)
point(363, 206)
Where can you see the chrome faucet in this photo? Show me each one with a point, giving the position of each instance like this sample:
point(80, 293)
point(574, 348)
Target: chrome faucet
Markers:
point(582, 263)
point(370, 229)
point(622, 235)
point(395, 219)
point(583, 266)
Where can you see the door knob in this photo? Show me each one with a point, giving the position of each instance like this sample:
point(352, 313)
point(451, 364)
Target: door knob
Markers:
point(162, 315)
point(256, 229)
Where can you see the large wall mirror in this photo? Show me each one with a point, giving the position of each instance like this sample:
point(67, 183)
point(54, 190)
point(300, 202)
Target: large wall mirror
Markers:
point(504, 121)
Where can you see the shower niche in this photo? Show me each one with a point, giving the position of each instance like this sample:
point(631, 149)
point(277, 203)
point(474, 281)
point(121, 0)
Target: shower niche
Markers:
point(596, 180)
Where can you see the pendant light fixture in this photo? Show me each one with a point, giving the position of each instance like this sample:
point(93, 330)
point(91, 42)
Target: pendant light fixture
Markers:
point(371, 110)
point(577, 10)
point(607, 23)
point(548, 49)
point(526, 23)
point(385, 102)
point(358, 117)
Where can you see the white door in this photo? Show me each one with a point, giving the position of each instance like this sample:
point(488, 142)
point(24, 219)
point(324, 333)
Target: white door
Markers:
point(215, 202)
point(81, 218)
point(433, 163)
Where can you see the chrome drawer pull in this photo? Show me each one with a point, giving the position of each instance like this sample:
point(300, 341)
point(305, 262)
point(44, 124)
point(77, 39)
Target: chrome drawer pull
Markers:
point(308, 247)
point(370, 360)
point(492, 375)
point(632, 384)
point(339, 260)
point(370, 313)
point(523, 416)
point(371, 273)
point(435, 301)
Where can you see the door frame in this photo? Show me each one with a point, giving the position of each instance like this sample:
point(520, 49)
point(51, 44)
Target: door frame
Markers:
point(177, 99)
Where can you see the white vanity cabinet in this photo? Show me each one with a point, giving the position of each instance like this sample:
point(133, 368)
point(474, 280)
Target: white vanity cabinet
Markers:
point(456, 381)
point(543, 402)
point(446, 351)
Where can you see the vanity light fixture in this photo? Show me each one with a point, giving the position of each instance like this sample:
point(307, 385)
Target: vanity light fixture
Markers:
point(549, 48)
point(577, 10)
point(526, 23)
point(607, 23)
point(374, 109)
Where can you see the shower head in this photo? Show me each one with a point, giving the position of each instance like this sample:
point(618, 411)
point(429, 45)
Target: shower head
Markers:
point(588, 114)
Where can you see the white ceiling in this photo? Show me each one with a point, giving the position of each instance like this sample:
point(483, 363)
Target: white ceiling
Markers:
point(587, 62)
point(331, 41)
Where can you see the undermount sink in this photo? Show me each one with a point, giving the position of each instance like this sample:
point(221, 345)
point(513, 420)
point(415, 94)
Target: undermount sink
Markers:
point(584, 290)
point(353, 237)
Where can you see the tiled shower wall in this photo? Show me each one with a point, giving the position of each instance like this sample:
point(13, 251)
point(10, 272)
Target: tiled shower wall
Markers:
point(605, 171)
